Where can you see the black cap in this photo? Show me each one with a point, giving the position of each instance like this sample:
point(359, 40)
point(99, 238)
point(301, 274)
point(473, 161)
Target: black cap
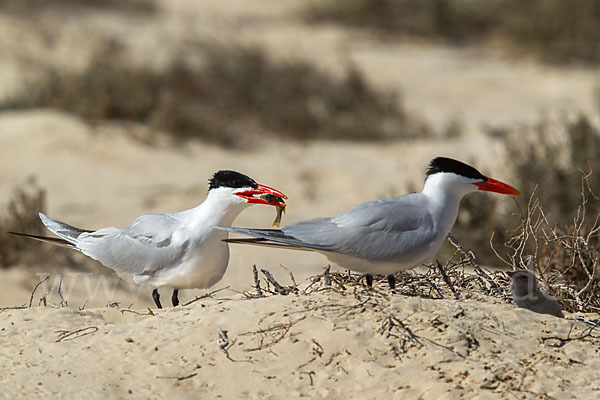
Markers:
point(443, 164)
point(232, 179)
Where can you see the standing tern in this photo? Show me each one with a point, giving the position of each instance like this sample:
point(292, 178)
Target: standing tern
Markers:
point(386, 236)
point(181, 250)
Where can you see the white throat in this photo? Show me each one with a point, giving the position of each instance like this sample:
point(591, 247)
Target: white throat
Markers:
point(445, 191)
point(220, 208)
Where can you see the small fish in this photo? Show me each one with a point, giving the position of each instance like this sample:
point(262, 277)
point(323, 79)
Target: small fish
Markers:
point(270, 198)
point(280, 211)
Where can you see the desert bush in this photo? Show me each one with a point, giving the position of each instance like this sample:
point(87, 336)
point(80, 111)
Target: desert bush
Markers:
point(32, 6)
point(21, 215)
point(565, 256)
point(548, 159)
point(555, 30)
point(453, 20)
point(223, 97)
point(563, 237)
point(552, 160)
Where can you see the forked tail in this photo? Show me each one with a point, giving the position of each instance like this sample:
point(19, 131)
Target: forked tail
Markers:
point(67, 234)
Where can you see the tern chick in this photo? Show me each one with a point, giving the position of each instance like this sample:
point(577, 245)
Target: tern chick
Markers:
point(527, 295)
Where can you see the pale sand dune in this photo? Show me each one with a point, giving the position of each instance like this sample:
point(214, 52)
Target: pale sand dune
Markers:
point(326, 346)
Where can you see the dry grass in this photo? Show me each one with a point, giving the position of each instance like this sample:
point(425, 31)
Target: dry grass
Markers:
point(231, 93)
point(554, 30)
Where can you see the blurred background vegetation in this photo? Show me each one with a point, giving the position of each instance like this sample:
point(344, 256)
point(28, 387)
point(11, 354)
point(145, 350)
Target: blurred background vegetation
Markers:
point(554, 30)
point(229, 94)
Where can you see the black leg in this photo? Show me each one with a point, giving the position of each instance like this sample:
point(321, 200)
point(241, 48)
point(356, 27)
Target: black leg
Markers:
point(392, 281)
point(156, 298)
point(369, 279)
point(175, 297)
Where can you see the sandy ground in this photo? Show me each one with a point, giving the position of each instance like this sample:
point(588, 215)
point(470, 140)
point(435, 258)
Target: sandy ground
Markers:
point(319, 345)
point(98, 176)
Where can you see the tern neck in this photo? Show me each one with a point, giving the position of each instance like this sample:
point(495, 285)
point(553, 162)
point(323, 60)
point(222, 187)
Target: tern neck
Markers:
point(445, 194)
point(217, 210)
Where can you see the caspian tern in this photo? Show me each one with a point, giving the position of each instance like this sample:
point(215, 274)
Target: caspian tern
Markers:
point(386, 236)
point(181, 250)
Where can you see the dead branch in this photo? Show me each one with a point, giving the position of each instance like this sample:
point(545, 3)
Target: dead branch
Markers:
point(326, 275)
point(291, 277)
point(179, 378)
point(447, 281)
point(282, 290)
point(83, 306)
point(13, 308)
point(224, 344)
point(277, 331)
point(259, 292)
point(136, 312)
point(204, 296)
point(63, 302)
point(471, 258)
point(35, 288)
point(71, 335)
point(563, 341)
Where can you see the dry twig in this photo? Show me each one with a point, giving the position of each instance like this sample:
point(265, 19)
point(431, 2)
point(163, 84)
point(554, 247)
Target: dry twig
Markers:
point(277, 333)
point(63, 302)
point(471, 258)
point(71, 335)
point(447, 280)
point(278, 288)
point(204, 296)
point(35, 288)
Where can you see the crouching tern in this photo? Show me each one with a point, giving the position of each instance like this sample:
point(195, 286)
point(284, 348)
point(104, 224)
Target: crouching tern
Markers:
point(181, 250)
point(526, 294)
point(386, 236)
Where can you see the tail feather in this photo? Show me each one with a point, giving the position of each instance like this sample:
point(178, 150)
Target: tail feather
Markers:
point(67, 232)
point(266, 243)
point(272, 238)
point(48, 239)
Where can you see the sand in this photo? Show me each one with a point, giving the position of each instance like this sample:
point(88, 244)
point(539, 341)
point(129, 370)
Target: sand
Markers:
point(319, 345)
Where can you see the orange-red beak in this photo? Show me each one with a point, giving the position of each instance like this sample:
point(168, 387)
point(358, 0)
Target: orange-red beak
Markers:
point(492, 185)
point(276, 198)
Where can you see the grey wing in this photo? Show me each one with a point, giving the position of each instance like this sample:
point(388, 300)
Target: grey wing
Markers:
point(383, 230)
point(549, 305)
point(145, 247)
